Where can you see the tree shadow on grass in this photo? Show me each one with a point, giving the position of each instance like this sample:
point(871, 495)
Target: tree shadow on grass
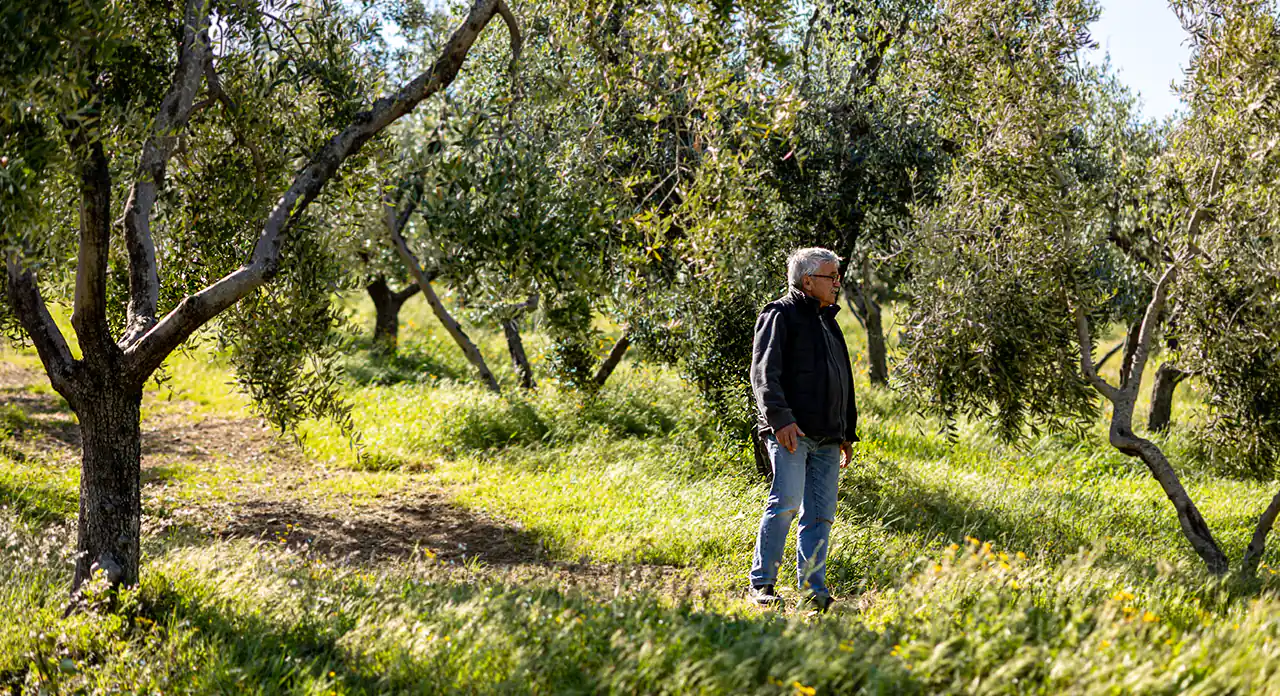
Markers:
point(246, 439)
point(368, 367)
point(509, 646)
point(47, 415)
point(246, 648)
point(429, 523)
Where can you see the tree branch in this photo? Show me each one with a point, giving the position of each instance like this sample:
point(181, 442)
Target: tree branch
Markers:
point(1110, 354)
point(89, 317)
point(1130, 345)
point(398, 219)
point(869, 72)
point(29, 306)
point(517, 39)
point(175, 110)
point(1086, 358)
point(528, 305)
point(804, 49)
point(409, 291)
point(451, 325)
point(196, 310)
point(1258, 544)
point(611, 361)
point(1150, 324)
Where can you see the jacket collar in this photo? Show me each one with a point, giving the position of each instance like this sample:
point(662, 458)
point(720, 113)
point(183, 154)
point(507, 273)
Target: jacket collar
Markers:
point(811, 303)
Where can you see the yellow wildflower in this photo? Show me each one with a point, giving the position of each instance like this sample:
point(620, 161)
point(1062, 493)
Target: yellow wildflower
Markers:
point(804, 690)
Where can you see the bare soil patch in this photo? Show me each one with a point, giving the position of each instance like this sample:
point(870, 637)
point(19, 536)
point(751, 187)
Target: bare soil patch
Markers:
point(233, 477)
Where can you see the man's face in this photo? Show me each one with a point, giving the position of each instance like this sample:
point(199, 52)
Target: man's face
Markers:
point(823, 286)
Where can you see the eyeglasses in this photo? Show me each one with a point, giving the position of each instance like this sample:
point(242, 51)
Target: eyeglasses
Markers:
point(832, 278)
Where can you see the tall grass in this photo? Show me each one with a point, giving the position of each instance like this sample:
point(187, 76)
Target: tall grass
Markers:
point(971, 619)
point(963, 566)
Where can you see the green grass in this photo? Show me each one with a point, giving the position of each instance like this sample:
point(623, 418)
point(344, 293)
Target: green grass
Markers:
point(243, 617)
point(965, 566)
point(35, 492)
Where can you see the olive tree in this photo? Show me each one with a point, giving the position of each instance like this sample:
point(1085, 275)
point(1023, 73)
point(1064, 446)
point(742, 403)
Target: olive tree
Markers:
point(690, 99)
point(498, 217)
point(81, 122)
point(1008, 290)
point(864, 153)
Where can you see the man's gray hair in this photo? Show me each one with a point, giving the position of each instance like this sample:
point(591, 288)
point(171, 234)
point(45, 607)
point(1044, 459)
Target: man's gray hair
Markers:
point(803, 262)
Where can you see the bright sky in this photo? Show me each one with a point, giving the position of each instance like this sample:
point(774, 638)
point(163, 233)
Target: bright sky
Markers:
point(1148, 49)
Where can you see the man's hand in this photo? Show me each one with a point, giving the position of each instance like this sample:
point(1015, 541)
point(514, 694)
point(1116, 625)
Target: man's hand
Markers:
point(846, 453)
point(788, 437)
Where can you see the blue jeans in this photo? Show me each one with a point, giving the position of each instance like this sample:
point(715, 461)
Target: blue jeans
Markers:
point(804, 481)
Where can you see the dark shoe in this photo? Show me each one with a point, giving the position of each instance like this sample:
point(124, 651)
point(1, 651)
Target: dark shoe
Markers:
point(764, 595)
point(819, 602)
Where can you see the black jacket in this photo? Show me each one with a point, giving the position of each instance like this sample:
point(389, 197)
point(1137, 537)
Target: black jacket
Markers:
point(789, 370)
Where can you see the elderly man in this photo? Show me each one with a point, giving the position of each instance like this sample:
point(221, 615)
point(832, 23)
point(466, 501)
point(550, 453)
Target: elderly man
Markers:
point(803, 386)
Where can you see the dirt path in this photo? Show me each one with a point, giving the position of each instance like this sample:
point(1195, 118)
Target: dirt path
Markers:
point(226, 477)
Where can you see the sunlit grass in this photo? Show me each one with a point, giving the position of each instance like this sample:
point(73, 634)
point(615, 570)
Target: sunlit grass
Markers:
point(239, 616)
point(963, 565)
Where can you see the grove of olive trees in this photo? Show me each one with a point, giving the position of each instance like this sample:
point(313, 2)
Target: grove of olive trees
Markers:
point(577, 209)
point(72, 116)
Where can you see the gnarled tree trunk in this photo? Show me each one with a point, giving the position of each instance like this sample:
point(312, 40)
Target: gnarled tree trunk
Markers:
point(519, 359)
point(1167, 379)
point(386, 306)
point(110, 487)
point(611, 361)
point(867, 312)
point(1192, 522)
point(1124, 399)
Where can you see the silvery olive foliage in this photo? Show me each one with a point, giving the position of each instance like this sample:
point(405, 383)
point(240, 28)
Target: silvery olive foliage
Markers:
point(1226, 310)
point(621, 172)
point(288, 74)
point(169, 163)
point(865, 151)
point(690, 101)
point(999, 261)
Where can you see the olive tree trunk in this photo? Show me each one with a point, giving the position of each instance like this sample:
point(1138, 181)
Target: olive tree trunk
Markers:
point(386, 307)
point(877, 351)
point(867, 312)
point(110, 522)
point(519, 359)
point(1122, 437)
point(1168, 378)
point(1258, 543)
point(611, 361)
